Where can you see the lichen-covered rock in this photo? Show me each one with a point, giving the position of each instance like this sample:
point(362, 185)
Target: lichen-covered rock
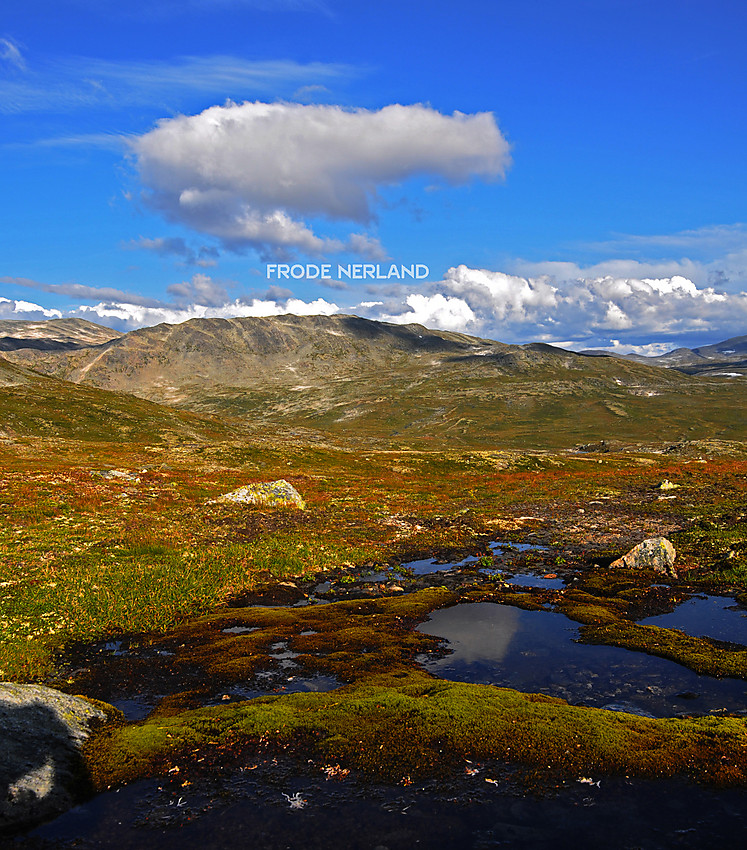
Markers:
point(42, 771)
point(655, 553)
point(270, 494)
point(666, 484)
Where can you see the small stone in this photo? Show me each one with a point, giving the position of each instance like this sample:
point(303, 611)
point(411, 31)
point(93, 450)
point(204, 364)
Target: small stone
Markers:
point(655, 553)
point(116, 475)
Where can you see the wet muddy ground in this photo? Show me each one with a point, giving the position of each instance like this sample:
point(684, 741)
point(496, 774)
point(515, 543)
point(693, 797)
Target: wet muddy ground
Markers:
point(270, 803)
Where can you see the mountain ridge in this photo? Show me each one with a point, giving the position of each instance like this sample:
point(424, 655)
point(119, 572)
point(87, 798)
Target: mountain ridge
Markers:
point(707, 359)
point(345, 376)
point(52, 334)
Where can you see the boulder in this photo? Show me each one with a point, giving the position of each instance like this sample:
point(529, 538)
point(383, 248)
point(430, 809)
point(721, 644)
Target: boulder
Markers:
point(666, 484)
point(42, 732)
point(271, 494)
point(655, 553)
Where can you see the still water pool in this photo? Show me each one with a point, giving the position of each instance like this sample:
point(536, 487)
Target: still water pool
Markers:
point(537, 651)
point(706, 616)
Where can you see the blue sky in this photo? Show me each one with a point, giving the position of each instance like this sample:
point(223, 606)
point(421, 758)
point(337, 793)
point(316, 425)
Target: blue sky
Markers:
point(568, 171)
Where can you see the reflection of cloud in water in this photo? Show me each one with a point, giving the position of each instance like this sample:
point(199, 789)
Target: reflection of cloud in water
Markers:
point(477, 631)
point(537, 651)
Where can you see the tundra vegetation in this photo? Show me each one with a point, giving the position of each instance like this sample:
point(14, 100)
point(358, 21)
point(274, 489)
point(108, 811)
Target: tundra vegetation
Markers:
point(111, 537)
point(107, 540)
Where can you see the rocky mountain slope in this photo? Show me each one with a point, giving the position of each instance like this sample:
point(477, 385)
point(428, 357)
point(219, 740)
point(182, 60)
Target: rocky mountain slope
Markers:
point(34, 405)
point(170, 362)
point(52, 334)
point(353, 377)
point(726, 359)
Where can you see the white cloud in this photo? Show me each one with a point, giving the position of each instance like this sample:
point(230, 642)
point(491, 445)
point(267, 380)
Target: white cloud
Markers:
point(506, 298)
point(367, 246)
point(13, 309)
point(714, 239)
point(62, 84)
point(619, 268)
point(174, 245)
point(128, 316)
point(721, 252)
point(116, 142)
point(588, 311)
point(10, 52)
point(79, 290)
point(652, 349)
point(435, 311)
point(249, 173)
point(200, 290)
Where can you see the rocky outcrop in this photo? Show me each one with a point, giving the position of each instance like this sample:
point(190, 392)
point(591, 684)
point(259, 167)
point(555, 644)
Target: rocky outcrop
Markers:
point(271, 494)
point(656, 553)
point(42, 732)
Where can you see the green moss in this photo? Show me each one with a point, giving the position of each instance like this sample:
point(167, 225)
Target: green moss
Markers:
point(613, 582)
point(526, 601)
point(586, 608)
point(703, 655)
point(348, 640)
point(414, 726)
point(583, 612)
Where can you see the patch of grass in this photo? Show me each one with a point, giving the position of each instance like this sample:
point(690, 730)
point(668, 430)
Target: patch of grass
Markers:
point(140, 587)
point(720, 541)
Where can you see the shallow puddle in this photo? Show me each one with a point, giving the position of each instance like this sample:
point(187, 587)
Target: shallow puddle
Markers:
point(497, 547)
point(706, 616)
point(500, 547)
point(431, 565)
point(271, 684)
point(135, 708)
point(535, 580)
point(535, 651)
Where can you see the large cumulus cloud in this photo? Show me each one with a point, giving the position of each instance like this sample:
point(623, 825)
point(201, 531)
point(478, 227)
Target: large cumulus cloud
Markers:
point(253, 174)
point(607, 310)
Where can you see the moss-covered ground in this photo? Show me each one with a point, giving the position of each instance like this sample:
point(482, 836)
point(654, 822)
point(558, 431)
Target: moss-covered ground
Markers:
point(119, 541)
point(414, 726)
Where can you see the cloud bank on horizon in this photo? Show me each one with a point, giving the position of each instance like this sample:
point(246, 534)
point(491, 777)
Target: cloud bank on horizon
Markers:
point(577, 312)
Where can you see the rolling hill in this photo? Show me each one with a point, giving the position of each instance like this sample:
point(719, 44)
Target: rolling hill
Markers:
point(348, 376)
point(34, 405)
point(727, 358)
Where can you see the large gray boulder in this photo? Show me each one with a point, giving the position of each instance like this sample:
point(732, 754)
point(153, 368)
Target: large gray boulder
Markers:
point(42, 732)
point(655, 553)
